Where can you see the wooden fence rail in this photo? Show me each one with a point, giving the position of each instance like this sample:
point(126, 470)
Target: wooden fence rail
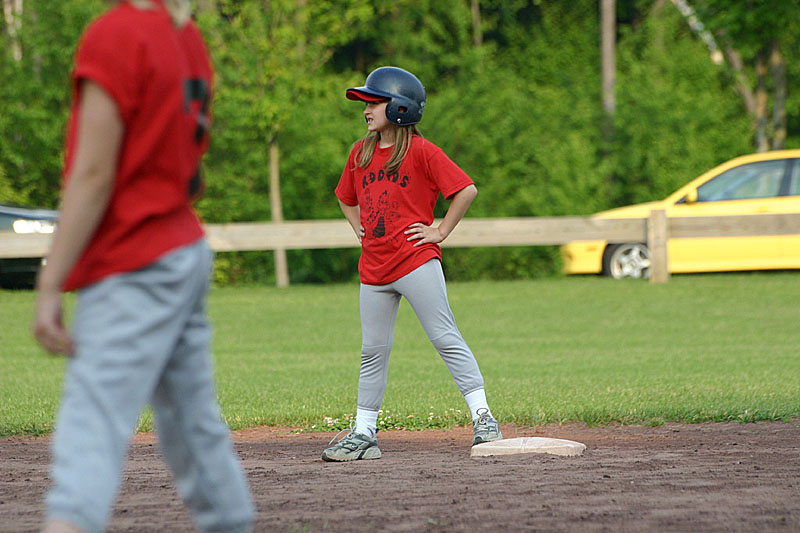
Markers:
point(474, 232)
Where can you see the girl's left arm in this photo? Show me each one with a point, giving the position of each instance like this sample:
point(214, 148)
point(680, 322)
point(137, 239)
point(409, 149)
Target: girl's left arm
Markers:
point(458, 207)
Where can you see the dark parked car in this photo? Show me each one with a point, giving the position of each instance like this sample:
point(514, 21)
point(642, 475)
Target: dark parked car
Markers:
point(21, 271)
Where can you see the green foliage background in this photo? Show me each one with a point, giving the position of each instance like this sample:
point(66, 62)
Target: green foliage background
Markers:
point(520, 113)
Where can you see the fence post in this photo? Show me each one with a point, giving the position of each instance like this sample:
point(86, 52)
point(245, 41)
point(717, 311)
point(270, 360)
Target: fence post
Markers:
point(657, 236)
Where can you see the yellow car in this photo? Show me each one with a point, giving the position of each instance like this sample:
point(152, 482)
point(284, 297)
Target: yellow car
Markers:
point(753, 184)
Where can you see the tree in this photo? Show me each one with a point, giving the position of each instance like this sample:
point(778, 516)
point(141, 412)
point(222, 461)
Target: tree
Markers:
point(35, 96)
point(753, 36)
point(677, 115)
point(514, 91)
point(268, 54)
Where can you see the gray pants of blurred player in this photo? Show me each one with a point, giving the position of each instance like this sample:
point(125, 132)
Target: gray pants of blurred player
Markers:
point(425, 290)
point(143, 337)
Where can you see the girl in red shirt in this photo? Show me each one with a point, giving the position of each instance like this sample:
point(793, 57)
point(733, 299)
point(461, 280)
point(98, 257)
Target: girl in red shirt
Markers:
point(128, 240)
point(387, 193)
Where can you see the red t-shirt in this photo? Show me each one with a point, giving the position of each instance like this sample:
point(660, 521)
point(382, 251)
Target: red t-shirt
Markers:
point(160, 77)
point(391, 202)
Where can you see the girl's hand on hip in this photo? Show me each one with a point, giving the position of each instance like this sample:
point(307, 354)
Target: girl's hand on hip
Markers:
point(423, 234)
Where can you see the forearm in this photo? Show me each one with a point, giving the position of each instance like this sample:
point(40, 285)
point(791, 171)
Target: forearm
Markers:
point(458, 208)
point(353, 215)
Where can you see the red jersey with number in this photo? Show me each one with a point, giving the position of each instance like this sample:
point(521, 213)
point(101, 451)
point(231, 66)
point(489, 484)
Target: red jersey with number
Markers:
point(390, 202)
point(160, 77)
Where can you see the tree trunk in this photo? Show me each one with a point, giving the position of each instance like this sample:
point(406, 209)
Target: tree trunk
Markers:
point(12, 11)
point(608, 68)
point(778, 67)
point(760, 118)
point(477, 33)
point(742, 87)
point(658, 38)
point(608, 31)
point(281, 265)
point(699, 28)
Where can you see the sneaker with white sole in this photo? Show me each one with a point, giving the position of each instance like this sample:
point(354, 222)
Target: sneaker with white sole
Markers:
point(485, 428)
point(352, 447)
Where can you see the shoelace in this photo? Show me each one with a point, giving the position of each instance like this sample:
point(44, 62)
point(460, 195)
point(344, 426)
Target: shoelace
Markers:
point(350, 429)
point(483, 418)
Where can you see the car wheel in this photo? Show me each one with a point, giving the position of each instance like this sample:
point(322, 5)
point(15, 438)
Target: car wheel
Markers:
point(628, 260)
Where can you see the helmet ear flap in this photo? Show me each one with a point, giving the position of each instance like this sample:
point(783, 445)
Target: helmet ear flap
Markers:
point(403, 111)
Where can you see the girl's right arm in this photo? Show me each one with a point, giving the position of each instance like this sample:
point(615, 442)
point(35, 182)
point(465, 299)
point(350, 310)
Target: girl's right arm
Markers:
point(353, 215)
point(85, 197)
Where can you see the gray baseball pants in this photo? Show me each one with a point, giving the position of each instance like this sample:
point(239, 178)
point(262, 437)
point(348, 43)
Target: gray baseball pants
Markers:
point(143, 337)
point(425, 290)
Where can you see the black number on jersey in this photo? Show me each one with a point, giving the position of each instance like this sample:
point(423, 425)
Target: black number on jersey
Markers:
point(197, 90)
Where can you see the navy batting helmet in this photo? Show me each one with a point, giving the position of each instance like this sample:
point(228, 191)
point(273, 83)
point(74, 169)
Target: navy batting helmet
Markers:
point(403, 90)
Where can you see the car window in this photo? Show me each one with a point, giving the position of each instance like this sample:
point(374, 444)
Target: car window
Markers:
point(794, 179)
point(755, 180)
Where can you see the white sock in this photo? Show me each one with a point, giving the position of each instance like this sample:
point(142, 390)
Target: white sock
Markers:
point(366, 422)
point(477, 400)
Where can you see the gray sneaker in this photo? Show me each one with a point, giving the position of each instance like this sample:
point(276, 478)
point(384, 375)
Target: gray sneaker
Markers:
point(485, 428)
point(353, 446)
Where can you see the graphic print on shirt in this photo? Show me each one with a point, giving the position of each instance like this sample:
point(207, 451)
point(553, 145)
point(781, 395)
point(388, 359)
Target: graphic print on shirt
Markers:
point(382, 175)
point(381, 214)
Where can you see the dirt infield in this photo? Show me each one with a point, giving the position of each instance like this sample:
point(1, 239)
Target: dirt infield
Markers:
point(699, 477)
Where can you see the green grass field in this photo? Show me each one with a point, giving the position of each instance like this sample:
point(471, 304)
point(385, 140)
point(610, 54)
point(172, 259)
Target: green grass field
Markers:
point(700, 348)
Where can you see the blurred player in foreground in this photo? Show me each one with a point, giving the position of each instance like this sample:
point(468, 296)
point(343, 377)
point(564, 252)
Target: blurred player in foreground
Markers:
point(129, 242)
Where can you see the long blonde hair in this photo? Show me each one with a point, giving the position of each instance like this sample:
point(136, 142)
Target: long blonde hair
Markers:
point(402, 143)
point(179, 10)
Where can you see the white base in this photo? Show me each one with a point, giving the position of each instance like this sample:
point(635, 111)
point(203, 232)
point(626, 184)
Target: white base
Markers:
point(528, 445)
